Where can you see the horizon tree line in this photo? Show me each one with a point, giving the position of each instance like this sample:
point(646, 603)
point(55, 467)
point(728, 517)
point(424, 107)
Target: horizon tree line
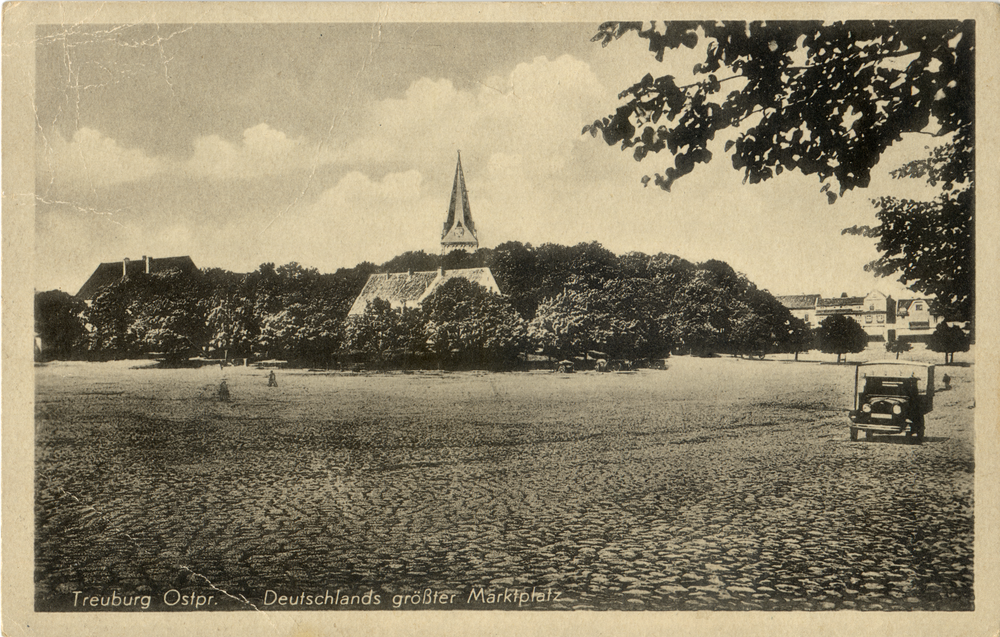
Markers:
point(559, 301)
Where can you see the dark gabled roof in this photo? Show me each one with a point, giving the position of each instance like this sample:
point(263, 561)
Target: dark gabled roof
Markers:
point(799, 301)
point(108, 273)
point(841, 301)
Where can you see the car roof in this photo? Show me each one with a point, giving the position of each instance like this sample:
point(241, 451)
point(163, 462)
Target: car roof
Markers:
point(896, 363)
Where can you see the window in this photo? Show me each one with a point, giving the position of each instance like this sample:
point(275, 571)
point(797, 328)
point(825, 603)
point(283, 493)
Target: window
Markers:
point(918, 306)
point(881, 318)
point(868, 318)
point(807, 317)
point(871, 307)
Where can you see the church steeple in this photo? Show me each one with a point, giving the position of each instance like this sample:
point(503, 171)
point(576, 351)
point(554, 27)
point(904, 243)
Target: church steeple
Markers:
point(459, 231)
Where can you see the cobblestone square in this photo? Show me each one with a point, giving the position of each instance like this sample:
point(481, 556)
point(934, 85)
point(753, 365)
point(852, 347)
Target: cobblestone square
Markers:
point(717, 484)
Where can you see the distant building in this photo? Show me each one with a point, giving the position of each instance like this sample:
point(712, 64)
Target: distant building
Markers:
point(409, 289)
point(459, 231)
point(846, 305)
point(917, 316)
point(108, 273)
point(802, 306)
point(882, 317)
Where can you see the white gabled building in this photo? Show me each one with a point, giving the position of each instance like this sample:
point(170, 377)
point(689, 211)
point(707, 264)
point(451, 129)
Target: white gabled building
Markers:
point(409, 289)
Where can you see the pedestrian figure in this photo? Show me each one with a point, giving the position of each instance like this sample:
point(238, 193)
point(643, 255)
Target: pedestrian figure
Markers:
point(271, 380)
point(224, 391)
point(946, 379)
point(222, 366)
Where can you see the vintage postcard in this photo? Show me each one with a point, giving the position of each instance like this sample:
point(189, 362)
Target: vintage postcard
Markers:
point(468, 318)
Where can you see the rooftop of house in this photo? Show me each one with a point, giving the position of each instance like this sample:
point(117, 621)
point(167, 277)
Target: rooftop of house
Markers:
point(841, 301)
point(411, 288)
point(799, 301)
point(903, 306)
point(108, 273)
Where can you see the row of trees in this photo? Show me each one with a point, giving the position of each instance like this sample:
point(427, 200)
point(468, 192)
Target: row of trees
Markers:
point(561, 301)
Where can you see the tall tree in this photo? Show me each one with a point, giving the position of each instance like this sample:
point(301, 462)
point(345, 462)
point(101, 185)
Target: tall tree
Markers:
point(825, 99)
point(839, 334)
point(418, 261)
point(231, 323)
point(948, 339)
point(515, 267)
point(799, 338)
point(701, 315)
point(469, 325)
point(379, 335)
point(169, 316)
point(897, 347)
point(59, 324)
point(110, 316)
point(562, 325)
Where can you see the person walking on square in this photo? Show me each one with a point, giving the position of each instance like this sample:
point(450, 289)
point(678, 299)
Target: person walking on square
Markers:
point(224, 391)
point(271, 380)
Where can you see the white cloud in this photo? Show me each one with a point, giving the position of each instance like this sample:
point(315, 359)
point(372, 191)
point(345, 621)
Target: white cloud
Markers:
point(357, 219)
point(262, 151)
point(534, 113)
point(94, 161)
point(91, 160)
point(533, 116)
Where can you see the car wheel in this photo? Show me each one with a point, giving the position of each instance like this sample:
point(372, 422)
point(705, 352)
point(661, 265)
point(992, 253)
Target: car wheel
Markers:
point(918, 428)
point(854, 434)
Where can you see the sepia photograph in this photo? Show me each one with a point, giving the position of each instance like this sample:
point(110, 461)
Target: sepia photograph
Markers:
point(381, 308)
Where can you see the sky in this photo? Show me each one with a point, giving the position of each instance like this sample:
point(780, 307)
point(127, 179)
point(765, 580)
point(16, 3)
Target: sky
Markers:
point(329, 145)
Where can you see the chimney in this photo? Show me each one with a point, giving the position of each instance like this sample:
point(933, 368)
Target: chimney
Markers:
point(125, 267)
point(147, 261)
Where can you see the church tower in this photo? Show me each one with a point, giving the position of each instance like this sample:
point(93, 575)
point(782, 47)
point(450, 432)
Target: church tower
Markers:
point(459, 231)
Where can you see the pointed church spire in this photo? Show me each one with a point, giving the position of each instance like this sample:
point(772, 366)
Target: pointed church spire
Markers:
point(459, 232)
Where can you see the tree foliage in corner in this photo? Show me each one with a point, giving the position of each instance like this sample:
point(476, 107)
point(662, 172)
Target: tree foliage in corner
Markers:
point(931, 243)
point(825, 99)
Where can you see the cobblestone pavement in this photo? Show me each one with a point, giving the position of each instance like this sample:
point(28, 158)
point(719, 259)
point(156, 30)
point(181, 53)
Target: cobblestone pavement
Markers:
point(717, 484)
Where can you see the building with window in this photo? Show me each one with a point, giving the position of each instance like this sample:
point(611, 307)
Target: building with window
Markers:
point(802, 306)
point(882, 317)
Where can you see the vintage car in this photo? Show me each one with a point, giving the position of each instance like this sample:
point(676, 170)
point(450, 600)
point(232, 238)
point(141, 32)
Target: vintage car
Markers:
point(565, 367)
point(892, 398)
